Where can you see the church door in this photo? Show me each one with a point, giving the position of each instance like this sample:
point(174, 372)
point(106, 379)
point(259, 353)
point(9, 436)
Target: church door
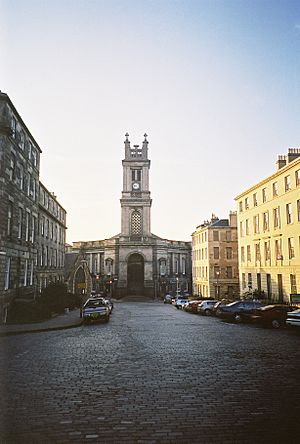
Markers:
point(135, 274)
point(80, 283)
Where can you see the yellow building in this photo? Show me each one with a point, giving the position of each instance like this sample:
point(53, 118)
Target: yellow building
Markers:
point(215, 258)
point(269, 232)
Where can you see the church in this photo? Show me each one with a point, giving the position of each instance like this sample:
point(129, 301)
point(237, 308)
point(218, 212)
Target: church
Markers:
point(134, 262)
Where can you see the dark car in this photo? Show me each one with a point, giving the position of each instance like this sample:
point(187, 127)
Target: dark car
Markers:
point(218, 305)
point(271, 315)
point(238, 311)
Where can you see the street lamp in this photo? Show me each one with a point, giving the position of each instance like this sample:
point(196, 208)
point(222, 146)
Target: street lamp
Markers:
point(177, 285)
point(218, 288)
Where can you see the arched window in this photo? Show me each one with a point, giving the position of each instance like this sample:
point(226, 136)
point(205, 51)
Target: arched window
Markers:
point(162, 267)
point(136, 223)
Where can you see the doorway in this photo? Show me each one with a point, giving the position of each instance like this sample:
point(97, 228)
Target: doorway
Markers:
point(135, 274)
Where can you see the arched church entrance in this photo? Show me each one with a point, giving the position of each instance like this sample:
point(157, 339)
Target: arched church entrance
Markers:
point(80, 281)
point(135, 274)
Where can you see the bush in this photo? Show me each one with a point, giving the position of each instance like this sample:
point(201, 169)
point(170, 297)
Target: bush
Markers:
point(22, 310)
point(54, 296)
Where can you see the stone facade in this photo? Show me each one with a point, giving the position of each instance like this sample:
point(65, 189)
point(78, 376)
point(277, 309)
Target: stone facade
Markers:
point(52, 233)
point(134, 262)
point(269, 232)
point(215, 258)
point(19, 208)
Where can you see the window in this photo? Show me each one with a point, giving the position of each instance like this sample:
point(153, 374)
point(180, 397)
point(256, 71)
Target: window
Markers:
point(257, 253)
point(14, 127)
point(256, 223)
point(216, 272)
point(21, 177)
point(248, 253)
point(298, 209)
point(275, 189)
point(278, 249)
point(243, 280)
point(27, 220)
point(242, 229)
point(246, 203)
point(228, 253)
point(136, 223)
point(215, 235)
point(255, 199)
point(25, 272)
point(136, 175)
point(43, 226)
point(229, 272)
point(216, 253)
point(33, 225)
point(30, 281)
point(9, 219)
point(247, 227)
point(297, 177)
point(20, 219)
point(243, 254)
point(267, 251)
point(289, 216)
point(34, 157)
point(287, 183)
point(276, 217)
point(264, 194)
point(7, 273)
point(12, 167)
point(291, 247)
point(293, 283)
point(22, 140)
point(228, 236)
point(241, 206)
point(266, 221)
point(249, 281)
point(28, 184)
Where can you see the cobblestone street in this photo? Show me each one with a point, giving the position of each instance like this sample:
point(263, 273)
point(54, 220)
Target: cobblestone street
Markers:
point(153, 374)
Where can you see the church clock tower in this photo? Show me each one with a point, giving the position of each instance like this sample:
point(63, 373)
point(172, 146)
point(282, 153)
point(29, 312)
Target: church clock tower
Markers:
point(136, 201)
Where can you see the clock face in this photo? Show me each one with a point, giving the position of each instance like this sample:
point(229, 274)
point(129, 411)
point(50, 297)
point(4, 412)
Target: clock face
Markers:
point(136, 186)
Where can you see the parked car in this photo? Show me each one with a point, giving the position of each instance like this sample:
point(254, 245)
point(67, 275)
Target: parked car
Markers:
point(180, 301)
point(167, 299)
point(95, 310)
point(238, 310)
point(293, 318)
point(271, 315)
point(218, 305)
point(192, 306)
point(206, 307)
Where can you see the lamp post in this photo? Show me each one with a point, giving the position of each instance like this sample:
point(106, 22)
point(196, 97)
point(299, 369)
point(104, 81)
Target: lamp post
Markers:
point(177, 285)
point(218, 288)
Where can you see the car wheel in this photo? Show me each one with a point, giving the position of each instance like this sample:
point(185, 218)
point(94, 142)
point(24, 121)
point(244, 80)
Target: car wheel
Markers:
point(207, 312)
point(218, 312)
point(238, 318)
point(275, 323)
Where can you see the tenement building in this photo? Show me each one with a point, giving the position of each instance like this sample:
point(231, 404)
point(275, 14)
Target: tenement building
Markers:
point(135, 261)
point(215, 258)
point(20, 209)
point(52, 238)
point(269, 232)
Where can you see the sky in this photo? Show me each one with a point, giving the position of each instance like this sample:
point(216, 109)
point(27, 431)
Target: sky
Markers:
point(214, 84)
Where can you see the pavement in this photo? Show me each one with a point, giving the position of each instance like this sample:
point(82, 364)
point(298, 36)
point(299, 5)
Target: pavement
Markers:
point(71, 319)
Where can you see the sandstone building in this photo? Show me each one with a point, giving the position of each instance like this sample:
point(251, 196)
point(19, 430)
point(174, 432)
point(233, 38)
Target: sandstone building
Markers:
point(215, 258)
point(135, 261)
point(20, 210)
point(269, 232)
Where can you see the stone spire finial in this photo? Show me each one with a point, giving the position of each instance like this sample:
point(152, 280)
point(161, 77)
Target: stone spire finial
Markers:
point(145, 135)
point(126, 135)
